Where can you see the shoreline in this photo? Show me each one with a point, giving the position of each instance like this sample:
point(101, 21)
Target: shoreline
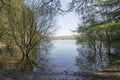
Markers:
point(112, 72)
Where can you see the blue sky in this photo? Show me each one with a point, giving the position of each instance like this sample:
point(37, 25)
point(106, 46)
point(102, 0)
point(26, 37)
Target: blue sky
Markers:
point(66, 22)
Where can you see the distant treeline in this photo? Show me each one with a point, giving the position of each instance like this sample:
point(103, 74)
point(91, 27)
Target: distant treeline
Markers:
point(63, 37)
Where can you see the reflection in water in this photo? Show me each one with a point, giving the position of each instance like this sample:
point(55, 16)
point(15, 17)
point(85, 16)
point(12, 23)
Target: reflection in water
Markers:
point(64, 54)
point(14, 62)
point(10, 59)
point(91, 60)
point(43, 60)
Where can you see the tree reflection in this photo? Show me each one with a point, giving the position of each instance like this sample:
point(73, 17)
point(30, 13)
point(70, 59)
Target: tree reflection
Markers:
point(88, 60)
point(43, 64)
point(39, 60)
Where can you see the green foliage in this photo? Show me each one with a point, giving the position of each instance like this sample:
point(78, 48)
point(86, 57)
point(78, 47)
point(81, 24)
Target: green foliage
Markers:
point(100, 22)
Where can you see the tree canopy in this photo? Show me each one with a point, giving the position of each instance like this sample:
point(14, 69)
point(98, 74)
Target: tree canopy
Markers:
point(100, 22)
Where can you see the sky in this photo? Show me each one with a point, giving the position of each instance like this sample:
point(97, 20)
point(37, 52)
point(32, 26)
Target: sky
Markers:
point(66, 22)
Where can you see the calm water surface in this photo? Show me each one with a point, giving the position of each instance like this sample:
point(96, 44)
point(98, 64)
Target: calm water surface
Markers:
point(67, 56)
point(63, 55)
point(63, 60)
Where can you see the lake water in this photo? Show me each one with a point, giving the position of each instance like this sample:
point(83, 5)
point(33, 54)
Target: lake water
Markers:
point(62, 59)
point(67, 56)
point(64, 54)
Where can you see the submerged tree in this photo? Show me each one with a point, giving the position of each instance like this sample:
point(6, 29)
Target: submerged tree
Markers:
point(27, 23)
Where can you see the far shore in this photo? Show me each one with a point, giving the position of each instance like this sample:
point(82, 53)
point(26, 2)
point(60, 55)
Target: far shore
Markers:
point(63, 37)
